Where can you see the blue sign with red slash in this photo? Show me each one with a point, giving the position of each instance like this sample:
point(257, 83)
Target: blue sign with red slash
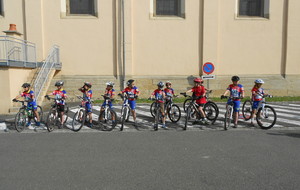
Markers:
point(208, 68)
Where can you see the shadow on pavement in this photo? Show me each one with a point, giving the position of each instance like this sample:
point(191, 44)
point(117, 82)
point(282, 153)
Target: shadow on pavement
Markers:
point(289, 134)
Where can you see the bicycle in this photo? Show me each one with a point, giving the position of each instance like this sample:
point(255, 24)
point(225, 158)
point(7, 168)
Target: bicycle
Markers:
point(158, 114)
point(125, 111)
point(229, 111)
point(210, 109)
point(54, 115)
point(25, 115)
point(80, 116)
point(266, 115)
point(108, 117)
point(171, 110)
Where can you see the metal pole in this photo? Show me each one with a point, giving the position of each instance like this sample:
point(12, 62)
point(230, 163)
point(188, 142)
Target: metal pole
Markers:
point(123, 34)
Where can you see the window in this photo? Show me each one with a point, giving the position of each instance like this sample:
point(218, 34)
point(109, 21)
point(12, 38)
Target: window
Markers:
point(169, 8)
point(254, 8)
point(81, 7)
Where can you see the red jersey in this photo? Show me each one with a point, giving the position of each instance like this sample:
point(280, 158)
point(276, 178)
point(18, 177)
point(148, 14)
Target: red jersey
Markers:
point(236, 91)
point(131, 92)
point(59, 94)
point(109, 93)
point(257, 97)
point(199, 91)
point(28, 95)
point(159, 95)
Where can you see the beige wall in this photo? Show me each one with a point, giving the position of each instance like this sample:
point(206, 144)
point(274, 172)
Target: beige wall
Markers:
point(11, 80)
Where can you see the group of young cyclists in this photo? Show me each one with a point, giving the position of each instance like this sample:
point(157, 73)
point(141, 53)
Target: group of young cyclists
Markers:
point(160, 95)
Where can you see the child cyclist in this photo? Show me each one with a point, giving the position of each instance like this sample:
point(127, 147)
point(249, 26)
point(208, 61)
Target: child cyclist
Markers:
point(236, 91)
point(257, 96)
point(199, 91)
point(169, 91)
point(160, 96)
point(110, 94)
point(132, 93)
point(60, 96)
point(29, 97)
point(86, 102)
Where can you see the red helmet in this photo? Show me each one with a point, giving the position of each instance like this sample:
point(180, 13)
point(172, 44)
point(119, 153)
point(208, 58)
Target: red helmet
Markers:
point(198, 80)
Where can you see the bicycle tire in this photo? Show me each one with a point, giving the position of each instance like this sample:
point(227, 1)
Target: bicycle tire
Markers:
point(51, 119)
point(108, 124)
point(211, 111)
point(20, 125)
point(268, 122)
point(152, 109)
point(40, 112)
point(156, 118)
point(78, 122)
point(247, 110)
point(227, 119)
point(124, 115)
point(174, 113)
point(188, 115)
point(186, 104)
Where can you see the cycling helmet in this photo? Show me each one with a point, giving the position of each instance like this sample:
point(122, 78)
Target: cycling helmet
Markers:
point(88, 84)
point(198, 80)
point(168, 82)
point(129, 82)
point(235, 78)
point(160, 84)
point(259, 81)
point(25, 85)
point(59, 83)
point(110, 84)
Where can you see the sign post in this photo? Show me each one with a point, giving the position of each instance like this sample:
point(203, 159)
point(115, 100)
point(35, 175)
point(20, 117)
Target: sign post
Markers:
point(208, 68)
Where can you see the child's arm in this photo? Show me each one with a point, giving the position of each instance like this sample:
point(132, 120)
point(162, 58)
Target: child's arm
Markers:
point(226, 92)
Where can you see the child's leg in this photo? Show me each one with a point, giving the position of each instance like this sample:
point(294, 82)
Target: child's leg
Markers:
point(162, 113)
point(62, 119)
point(236, 109)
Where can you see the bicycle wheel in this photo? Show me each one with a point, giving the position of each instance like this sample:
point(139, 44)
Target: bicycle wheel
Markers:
point(20, 120)
point(211, 111)
point(40, 112)
point(156, 118)
point(227, 119)
point(152, 109)
point(186, 104)
point(124, 116)
point(78, 120)
point(187, 117)
point(174, 113)
point(108, 121)
point(51, 119)
point(266, 117)
point(247, 110)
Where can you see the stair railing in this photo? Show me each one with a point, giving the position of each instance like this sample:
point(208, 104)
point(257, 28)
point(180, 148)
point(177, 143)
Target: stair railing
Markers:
point(43, 75)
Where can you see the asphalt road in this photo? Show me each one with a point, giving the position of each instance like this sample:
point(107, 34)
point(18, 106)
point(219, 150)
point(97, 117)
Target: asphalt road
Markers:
point(234, 159)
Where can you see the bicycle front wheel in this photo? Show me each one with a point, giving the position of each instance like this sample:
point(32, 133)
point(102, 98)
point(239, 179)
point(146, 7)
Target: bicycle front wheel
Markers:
point(124, 116)
point(187, 117)
point(186, 104)
point(266, 117)
point(211, 111)
point(152, 109)
point(247, 110)
point(78, 120)
point(174, 113)
point(108, 119)
point(20, 121)
point(227, 119)
point(51, 119)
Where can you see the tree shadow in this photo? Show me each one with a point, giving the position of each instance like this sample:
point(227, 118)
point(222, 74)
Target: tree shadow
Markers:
point(289, 134)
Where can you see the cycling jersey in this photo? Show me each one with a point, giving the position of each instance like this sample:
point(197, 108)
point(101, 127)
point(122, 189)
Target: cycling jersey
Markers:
point(60, 94)
point(199, 91)
point(131, 92)
point(86, 97)
point(236, 91)
point(169, 93)
point(257, 97)
point(159, 95)
point(108, 93)
point(29, 96)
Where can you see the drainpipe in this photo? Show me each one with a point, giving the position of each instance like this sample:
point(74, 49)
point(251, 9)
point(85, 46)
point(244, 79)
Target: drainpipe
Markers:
point(123, 42)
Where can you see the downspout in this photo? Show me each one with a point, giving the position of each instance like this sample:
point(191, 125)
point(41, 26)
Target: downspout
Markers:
point(123, 42)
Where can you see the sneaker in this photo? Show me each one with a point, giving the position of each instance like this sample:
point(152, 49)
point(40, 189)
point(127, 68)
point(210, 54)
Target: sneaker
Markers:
point(205, 121)
point(90, 125)
point(164, 126)
point(38, 123)
point(28, 124)
point(134, 124)
point(235, 125)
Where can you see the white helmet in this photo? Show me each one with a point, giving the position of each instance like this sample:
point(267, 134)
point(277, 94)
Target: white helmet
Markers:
point(110, 83)
point(259, 81)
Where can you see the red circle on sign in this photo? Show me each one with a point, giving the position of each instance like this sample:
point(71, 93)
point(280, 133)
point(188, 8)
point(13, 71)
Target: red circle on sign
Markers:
point(208, 68)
